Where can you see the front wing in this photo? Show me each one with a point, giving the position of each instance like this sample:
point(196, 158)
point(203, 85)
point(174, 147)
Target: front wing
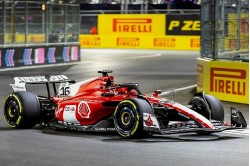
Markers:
point(237, 122)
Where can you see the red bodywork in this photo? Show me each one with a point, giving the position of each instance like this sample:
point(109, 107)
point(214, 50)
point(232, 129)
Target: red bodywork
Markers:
point(87, 105)
point(93, 103)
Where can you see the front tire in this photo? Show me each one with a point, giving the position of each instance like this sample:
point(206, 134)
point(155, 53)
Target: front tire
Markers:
point(22, 110)
point(128, 118)
point(208, 106)
point(216, 107)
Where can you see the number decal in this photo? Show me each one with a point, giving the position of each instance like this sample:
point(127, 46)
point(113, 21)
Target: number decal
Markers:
point(64, 91)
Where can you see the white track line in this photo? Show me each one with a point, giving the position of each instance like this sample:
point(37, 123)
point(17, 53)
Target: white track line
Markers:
point(178, 89)
point(143, 56)
point(237, 132)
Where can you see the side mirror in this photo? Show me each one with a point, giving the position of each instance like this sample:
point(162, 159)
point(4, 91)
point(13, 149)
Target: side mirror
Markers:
point(156, 93)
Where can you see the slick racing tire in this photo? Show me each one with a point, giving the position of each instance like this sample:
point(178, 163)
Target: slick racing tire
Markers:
point(201, 106)
point(128, 118)
point(210, 108)
point(22, 110)
point(216, 107)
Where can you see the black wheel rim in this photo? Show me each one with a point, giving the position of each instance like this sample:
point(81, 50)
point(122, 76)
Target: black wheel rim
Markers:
point(199, 106)
point(12, 112)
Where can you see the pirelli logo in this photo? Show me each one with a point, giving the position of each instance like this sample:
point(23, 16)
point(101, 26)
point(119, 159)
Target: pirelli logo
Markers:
point(243, 43)
point(195, 43)
point(228, 81)
point(200, 75)
point(128, 41)
point(135, 25)
point(165, 42)
point(91, 41)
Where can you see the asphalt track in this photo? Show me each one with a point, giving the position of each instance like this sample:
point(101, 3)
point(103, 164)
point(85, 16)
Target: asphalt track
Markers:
point(165, 70)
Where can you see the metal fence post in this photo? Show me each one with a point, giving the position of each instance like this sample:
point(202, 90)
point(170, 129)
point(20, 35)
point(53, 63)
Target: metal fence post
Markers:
point(216, 28)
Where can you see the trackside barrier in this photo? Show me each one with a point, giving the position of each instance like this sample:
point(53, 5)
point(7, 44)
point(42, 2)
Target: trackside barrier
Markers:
point(144, 31)
point(227, 80)
point(38, 55)
point(141, 42)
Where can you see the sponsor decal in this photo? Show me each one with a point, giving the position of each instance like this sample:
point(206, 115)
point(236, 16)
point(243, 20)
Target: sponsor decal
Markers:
point(149, 121)
point(65, 54)
point(164, 42)
point(104, 129)
point(18, 87)
point(83, 109)
point(51, 54)
point(244, 25)
point(32, 79)
point(228, 81)
point(200, 75)
point(128, 41)
point(195, 43)
point(74, 53)
point(183, 24)
point(58, 111)
point(9, 55)
point(42, 79)
point(69, 114)
point(39, 56)
point(27, 56)
point(70, 108)
point(91, 41)
point(132, 25)
point(244, 44)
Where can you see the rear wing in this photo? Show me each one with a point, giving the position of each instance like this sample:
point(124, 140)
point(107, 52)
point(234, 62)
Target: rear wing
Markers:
point(20, 82)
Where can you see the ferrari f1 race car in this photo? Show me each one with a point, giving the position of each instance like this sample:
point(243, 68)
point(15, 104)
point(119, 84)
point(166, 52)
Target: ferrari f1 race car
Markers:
point(101, 105)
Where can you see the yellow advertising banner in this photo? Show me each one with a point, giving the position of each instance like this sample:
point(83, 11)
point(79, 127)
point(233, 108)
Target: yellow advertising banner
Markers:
point(20, 38)
point(141, 42)
point(243, 25)
point(131, 24)
point(227, 80)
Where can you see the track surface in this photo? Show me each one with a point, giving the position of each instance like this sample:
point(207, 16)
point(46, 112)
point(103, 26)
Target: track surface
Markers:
point(164, 70)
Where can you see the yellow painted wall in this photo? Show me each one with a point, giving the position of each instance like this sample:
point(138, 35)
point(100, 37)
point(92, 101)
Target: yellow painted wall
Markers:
point(227, 80)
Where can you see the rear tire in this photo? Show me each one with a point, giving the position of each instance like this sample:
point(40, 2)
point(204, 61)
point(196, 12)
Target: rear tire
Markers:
point(22, 110)
point(128, 118)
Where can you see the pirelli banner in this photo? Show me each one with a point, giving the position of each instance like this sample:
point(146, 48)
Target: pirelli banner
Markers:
point(131, 24)
point(227, 80)
point(144, 31)
point(145, 42)
point(183, 25)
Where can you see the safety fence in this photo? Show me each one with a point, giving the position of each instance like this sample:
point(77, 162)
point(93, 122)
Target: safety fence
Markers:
point(37, 33)
point(223, 69)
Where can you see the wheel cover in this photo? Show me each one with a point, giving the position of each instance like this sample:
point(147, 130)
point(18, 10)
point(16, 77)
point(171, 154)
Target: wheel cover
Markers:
point(126, 119)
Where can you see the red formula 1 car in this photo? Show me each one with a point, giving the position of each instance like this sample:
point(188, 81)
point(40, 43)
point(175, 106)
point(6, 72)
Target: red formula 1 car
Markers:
point(99, 104)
